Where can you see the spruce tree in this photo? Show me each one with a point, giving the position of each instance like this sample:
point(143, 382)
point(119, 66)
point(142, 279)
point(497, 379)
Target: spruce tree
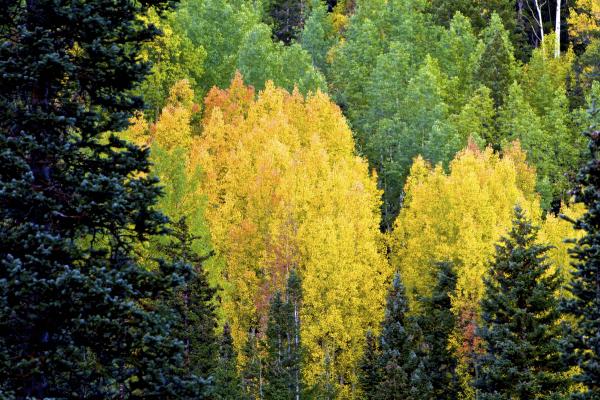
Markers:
point(520, 321)
point(193, 305)
point(370, 373)
point(437, 322)
point(77, 314)
point(583, 346)
point(402, 368)
point(282, 362)
point(226, 380)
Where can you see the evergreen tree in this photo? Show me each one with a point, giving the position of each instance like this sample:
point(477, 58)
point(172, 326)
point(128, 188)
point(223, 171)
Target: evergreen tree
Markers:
point(370, 373)
point(227, 384)
point(403, 374)
point(77, 310)
point(287, 18)
point(520, 321)
point(584, 343)
point(282, 362)
point(496, 66)
point(437, 323)
point(252, 368)
point(193, 304)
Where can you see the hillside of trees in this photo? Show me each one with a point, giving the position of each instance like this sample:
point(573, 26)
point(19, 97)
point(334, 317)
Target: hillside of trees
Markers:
point(300, 199)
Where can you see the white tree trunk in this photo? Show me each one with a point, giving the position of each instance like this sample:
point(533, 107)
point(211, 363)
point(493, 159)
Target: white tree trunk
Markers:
point(557, 30)
point(538, 8)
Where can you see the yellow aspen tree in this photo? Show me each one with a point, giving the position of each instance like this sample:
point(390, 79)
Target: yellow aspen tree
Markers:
point(458, 216)
point(558, 231)
point(286, 190)
point(584, 20)
point(170, 140)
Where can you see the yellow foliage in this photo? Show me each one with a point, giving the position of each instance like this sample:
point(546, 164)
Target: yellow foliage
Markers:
point(137, 131)
point(584, 20)
point(459, 216)
point(555, 231)
point(286, 190)
point(173, 129)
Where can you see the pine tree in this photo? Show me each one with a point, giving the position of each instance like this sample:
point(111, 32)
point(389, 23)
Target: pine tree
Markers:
point(77, 314)
point(584, 343)
point(437, 323)
point(402, 367)
point(193, 303)
point(227, 384)
point(370, 373)
point(282, 362)
point(520, 321)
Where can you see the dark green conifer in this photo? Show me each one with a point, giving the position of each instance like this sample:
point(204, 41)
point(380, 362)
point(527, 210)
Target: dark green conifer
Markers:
point(78, 315)
point(520, 324)
point(403, 374)
point(496, 66)
point(583, 345)
point(370, 374)
point(226, 380)
point(287, 19)
point(437, 322)
point(252, 369)
point(193, 305)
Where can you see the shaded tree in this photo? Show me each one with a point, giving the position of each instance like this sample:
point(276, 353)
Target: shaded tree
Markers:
point(520, 321)
point(583, 343)
point(78, 314)
point(227, 383)
point(403, 373)
point(437, 322)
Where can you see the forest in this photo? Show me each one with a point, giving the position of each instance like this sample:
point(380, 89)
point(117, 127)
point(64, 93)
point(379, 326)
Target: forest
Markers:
point(300, 199)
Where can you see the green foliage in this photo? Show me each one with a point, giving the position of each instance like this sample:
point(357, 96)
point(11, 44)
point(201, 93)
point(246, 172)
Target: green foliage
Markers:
point(476, 120)
point(583, 344)
point(437, 323)
point(77, 310)
point(219, 27)
point(318, 35)
point(520, 324)
point(458, 55)
point(547, 141)
point(174, 57)
point(479, 12)
point(261, 60)
point(418, 126)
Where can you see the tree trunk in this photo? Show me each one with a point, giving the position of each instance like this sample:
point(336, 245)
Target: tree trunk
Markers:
point(557, 30)
point(538, 9)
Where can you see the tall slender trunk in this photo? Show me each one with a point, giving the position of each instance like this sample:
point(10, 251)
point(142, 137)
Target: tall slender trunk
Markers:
point(538, 8)
point(557, 30)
